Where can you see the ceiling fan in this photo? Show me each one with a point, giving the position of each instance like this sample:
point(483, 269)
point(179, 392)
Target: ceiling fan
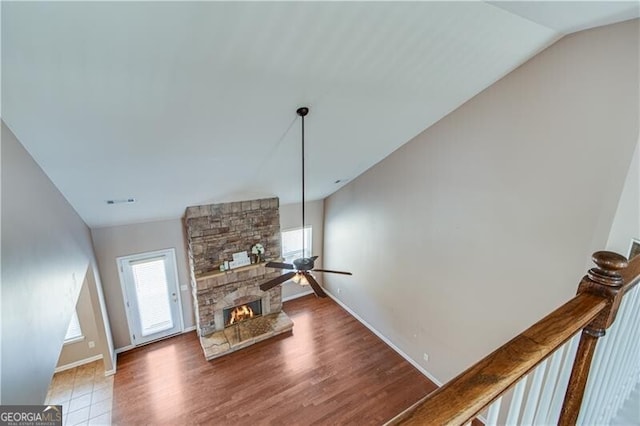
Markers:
point(300, 270)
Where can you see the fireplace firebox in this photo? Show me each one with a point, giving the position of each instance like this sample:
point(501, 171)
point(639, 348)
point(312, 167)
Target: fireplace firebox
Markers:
point(239, 313)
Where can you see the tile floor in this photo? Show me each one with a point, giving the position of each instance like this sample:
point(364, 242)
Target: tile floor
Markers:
point(84, 393)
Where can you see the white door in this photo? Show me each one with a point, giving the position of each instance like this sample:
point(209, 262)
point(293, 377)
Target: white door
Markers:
point(150, 289)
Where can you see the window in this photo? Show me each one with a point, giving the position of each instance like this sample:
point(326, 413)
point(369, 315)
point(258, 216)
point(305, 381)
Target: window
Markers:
point(292, 244)
point(74, 332)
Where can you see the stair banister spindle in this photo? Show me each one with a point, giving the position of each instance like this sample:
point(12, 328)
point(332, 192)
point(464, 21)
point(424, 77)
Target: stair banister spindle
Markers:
point(624, 354)
point(607, 361)
point(516, 402)
point(494, 413)
point(550, 382)
point(534, 394)
point(563, 381)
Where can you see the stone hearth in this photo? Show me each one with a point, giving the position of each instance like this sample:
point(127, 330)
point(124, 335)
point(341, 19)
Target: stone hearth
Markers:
point(244, 334)
point(214, 233)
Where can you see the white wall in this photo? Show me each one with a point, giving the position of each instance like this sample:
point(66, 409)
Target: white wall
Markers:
point(626, 224)
point(291, 218)
point(115, 241)
point(46, 254)
point(485, 222)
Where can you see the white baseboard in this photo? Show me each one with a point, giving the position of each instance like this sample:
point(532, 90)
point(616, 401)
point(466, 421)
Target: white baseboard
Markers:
point(385, 340)
point(129, 347)
point(124, 349)
point(78, 363)
point(297, 295)
point(114, 357)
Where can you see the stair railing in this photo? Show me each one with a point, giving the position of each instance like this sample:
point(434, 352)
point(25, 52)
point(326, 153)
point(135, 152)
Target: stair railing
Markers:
point(479, 388)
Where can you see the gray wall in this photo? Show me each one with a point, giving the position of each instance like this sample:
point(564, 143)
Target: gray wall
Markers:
point(291, 218)
point(115, 241)
point(486, 221)
point(46, 254)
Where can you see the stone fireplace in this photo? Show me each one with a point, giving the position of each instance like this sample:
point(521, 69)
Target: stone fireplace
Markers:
point(214, 233)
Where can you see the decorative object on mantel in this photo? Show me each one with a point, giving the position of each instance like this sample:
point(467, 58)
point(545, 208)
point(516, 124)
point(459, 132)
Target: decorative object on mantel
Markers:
point(302, 267)
point(258, 250)
point(239, 259)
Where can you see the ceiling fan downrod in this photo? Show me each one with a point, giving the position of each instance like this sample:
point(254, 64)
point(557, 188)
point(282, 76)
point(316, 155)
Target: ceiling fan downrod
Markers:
point(302, 112)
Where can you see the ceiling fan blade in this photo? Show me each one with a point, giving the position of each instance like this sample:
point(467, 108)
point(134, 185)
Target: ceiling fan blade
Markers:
point(333, 272)
point(315, 286)
point(279, 265)
point(277, 280)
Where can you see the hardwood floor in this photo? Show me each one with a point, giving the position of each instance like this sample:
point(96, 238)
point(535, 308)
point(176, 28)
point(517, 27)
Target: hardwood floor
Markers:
point(329, 370)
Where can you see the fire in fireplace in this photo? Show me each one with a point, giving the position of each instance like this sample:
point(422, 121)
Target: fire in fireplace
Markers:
point(236, 314)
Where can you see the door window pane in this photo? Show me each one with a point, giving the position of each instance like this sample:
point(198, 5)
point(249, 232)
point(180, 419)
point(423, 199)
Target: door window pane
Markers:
point(151, 288)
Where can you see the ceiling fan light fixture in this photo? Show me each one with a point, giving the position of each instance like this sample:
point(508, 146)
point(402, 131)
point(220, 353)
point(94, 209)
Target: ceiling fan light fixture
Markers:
point(300, 279)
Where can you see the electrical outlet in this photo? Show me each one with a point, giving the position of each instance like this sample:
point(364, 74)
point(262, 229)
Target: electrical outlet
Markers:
point(339, 290)
point(184, 287)
point(92, 344)
point(425, 356)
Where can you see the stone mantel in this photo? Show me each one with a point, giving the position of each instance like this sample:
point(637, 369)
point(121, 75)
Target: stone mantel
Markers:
point(212, 280)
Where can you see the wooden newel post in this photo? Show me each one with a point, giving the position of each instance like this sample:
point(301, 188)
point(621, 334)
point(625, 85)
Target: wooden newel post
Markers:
point(604, 281)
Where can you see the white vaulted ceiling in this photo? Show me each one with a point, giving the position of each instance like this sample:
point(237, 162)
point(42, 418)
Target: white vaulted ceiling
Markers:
point(186, 103)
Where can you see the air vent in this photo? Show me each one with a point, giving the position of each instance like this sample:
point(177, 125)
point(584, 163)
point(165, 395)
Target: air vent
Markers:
point(122, 201)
